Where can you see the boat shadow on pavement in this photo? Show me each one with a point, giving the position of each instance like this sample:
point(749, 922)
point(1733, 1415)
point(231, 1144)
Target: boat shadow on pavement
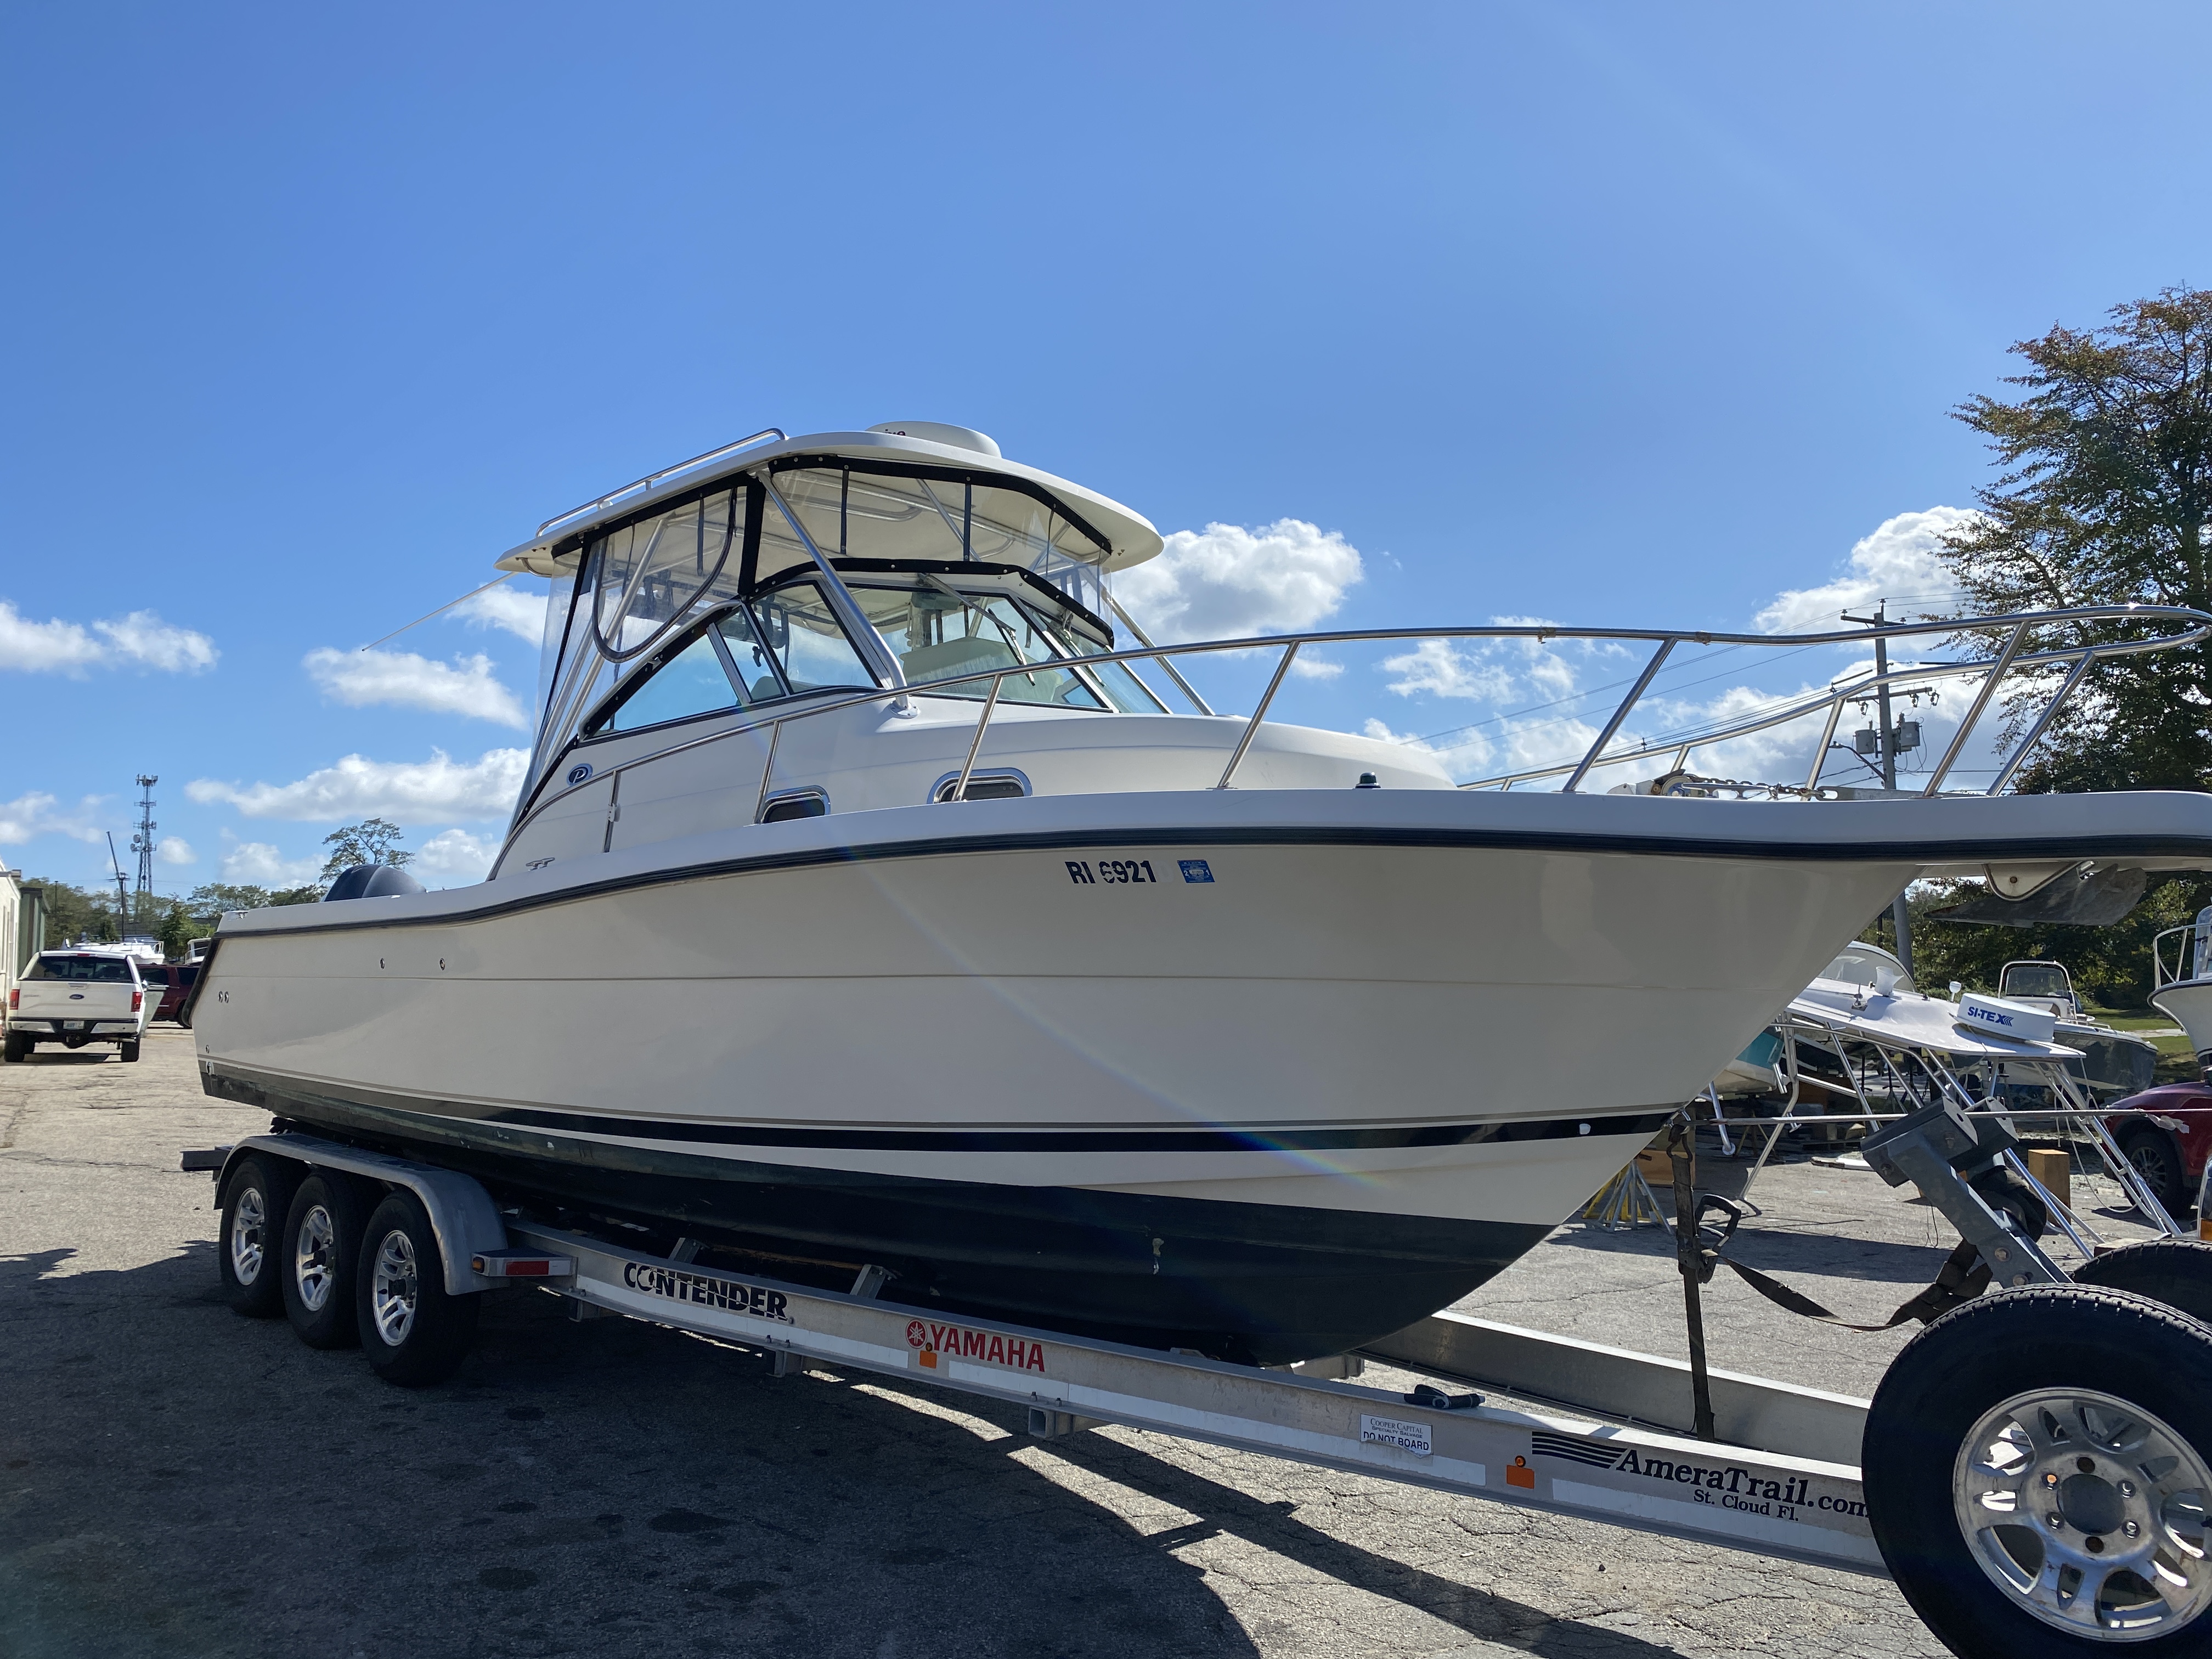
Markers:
point(176, 1481)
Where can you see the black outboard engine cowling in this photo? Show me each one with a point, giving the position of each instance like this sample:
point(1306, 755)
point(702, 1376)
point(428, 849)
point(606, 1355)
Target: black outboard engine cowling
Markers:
point(372, 881)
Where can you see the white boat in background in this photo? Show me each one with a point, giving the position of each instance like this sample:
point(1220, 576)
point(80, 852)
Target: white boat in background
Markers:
point(879, 896)
point(2184, 991)
point(2113, 1063)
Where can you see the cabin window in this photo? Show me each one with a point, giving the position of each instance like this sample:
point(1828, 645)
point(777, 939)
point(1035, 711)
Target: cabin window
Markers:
point(809, 641)
point(647, 577)
point(854, 512)
point(749, 660)
point(690, 682)
point(936, 631)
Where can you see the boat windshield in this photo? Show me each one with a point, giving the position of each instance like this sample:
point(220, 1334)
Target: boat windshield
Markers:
point(723, 585)
point(852, 512)
point(2035, 979)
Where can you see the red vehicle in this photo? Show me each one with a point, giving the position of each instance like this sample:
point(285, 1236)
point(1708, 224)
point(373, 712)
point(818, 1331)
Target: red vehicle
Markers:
point(175, 980)
point(2166, 1133)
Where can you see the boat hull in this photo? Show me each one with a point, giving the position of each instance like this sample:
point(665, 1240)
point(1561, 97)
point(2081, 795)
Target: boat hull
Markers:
point(2188, 1003)
point(1343, 1055)
point(1264, 1284)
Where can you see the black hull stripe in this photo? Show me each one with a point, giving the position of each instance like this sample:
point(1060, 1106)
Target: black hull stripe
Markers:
point(1643, 1124)
point(1929, 850)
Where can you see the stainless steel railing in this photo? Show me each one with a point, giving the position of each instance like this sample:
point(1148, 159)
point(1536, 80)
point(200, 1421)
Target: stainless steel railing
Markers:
point(2191, 627)
point(652, 478)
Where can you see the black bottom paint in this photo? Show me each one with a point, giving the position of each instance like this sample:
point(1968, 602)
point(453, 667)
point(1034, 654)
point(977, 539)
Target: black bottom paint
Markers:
point(1256, 1283)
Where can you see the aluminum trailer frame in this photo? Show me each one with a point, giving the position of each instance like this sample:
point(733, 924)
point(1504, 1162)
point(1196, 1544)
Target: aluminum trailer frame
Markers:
point(1771, 1500)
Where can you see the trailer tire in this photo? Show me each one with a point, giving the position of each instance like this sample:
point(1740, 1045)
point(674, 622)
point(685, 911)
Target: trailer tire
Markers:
point(255, 1201)
point(2175, 1271)
point(414, 1330)
point(2116, 1384)
point(321, 1254)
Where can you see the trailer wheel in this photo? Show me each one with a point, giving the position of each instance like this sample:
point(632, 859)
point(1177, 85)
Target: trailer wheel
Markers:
point(2037, 1467)
point(2175, 1271)
point(416, 1331)
point(322, 1245)
point(248, 1259)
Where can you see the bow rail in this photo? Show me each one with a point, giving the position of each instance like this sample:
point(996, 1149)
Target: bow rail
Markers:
point(2189, 627)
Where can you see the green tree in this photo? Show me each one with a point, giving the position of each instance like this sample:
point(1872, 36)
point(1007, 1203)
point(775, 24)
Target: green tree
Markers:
point(373, 841)
point(2104, 499)
point(177, 932)
point(73, 913)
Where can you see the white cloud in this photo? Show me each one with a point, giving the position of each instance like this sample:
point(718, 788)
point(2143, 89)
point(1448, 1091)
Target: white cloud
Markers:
point(143, 637)
point(455, 854)
point(357, 786)
point(1314, 668)
point(515, 608)
point(1901, 562)
point(257, 864)
point(175, 849)
point(29, 816)
point(56, 646)
point(1228, 581)
point(400, 677)
point(1436, 668)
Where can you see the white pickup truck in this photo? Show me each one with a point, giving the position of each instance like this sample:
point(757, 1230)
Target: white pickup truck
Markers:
point(76, 997)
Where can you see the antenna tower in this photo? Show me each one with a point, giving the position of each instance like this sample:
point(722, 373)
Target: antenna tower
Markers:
point(141, 903)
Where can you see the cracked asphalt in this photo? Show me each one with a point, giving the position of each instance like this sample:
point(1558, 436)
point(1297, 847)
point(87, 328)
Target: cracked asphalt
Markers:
point(175, 1480)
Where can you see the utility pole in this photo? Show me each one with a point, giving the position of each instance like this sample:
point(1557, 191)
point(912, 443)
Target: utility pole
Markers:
point(1899, 917)
point(122, 904)
point(142, 844)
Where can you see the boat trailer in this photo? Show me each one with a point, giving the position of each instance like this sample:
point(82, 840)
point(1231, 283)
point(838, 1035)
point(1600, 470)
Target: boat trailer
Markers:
point(1593, 1431)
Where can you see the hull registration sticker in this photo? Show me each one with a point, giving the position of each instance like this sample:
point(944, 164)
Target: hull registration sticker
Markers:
point(934, 1344)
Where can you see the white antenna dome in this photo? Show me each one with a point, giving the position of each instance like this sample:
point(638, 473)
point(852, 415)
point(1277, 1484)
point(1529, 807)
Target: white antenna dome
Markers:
point(936, 432)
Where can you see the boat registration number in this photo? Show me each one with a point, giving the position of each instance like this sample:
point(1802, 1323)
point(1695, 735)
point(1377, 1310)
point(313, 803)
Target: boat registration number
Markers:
point(1110, 872)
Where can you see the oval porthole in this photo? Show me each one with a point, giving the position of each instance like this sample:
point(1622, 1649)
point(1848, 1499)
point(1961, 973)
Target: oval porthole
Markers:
point(579, 772)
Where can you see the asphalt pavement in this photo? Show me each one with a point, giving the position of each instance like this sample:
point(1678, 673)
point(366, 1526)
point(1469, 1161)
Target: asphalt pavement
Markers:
point(176, 1481)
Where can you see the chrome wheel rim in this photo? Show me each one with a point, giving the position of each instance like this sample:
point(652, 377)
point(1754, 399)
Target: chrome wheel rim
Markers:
point(2089, 1513)
point(392, 1288)
point(313, 1268)
point(249, 1222)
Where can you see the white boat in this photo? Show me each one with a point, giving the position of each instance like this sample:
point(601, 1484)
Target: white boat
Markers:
point(2113, 1063)
point(2184, 993)
point(1046, 989)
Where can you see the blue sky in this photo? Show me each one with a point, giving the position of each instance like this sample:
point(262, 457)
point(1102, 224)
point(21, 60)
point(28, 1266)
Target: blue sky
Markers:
point(1607, 314)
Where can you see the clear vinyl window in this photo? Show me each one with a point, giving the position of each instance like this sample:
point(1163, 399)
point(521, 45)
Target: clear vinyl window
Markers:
point(690, 682)
point(798, 625)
